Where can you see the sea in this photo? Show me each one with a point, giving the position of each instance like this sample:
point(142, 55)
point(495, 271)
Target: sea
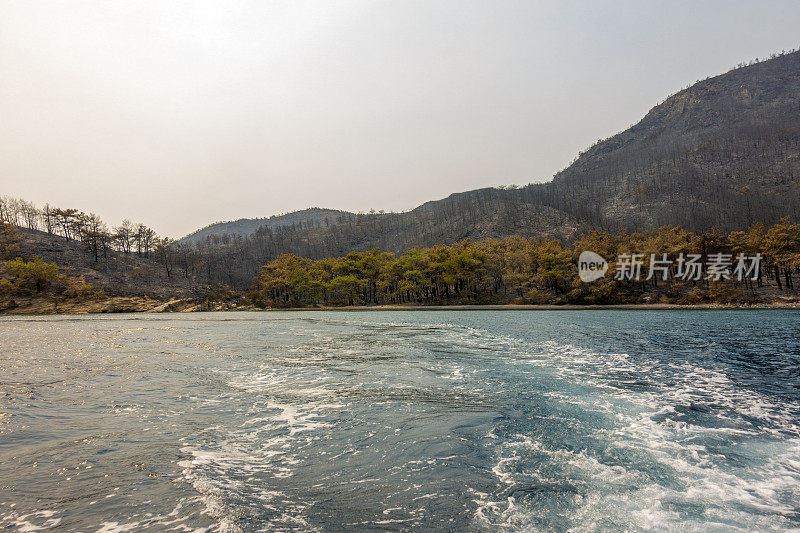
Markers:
point(557, 420)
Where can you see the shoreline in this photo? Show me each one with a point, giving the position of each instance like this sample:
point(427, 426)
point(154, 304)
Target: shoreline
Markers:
point(542, 307)
point(120, 305)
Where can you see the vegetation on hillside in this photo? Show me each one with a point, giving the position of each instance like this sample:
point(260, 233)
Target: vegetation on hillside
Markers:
point(35, 277)
point(530, 270)
point(495, 271)
point(82, 259)
point(73, 224)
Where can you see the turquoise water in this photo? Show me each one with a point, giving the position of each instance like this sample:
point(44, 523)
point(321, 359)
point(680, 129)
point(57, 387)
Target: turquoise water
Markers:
point(435, 421)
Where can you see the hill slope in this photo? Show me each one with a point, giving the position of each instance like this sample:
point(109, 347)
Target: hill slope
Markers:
point(116, 273)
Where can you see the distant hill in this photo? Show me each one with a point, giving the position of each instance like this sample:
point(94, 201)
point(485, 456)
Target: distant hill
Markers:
point(307, 218)
point(722, 153)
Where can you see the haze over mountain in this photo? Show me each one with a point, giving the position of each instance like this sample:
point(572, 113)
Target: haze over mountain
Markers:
point(180, 114)
point(724, 152)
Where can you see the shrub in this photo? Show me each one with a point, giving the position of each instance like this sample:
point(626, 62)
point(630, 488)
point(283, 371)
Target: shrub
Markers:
point(33, 275)
point(79, 289)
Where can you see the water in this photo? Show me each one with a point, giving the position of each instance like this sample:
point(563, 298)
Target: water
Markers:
point(438, 420)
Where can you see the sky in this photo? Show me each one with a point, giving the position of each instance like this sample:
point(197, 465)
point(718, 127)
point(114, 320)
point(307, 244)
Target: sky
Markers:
point(182, 113)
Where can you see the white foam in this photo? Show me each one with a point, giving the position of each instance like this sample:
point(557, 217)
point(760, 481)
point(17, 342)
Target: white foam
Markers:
point(758, 496)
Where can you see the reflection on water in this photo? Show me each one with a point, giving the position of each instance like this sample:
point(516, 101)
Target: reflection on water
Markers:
point(398, 420)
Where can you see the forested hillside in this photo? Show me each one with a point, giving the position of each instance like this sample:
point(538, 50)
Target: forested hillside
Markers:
point(759, 265)
point(104, 264)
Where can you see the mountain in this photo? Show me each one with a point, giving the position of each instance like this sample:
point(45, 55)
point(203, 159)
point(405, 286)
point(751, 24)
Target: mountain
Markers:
point(722, 153)
point(725, 152)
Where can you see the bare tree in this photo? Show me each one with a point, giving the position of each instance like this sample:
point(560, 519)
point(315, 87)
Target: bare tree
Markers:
point(48, 218)
point(165, 254)
point(65, 218)
point(30, 214)
point(123, 235)
point(95, 235)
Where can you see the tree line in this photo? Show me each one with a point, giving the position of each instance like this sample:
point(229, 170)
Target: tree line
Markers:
point(531, 270)
point(88, 229)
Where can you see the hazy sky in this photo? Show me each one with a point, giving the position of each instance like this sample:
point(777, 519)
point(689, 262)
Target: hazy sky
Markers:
point(181, 113)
